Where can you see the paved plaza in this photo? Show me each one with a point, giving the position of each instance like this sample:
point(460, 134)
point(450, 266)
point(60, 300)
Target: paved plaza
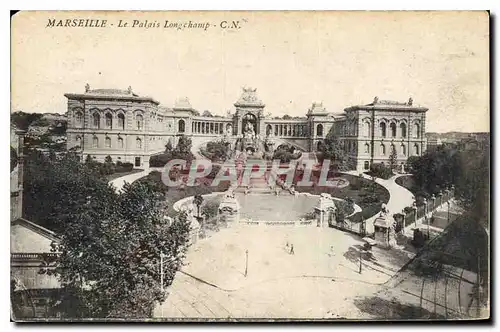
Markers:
point(321, 279)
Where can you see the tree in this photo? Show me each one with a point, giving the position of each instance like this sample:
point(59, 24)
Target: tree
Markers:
point(23, 120)
point(168, 147)
point(108, 159)
point(286, 117)
point(54, 189)
point(333, 149)
point(110, 255)
point(198, 201)
point(13, 158)
point(207, 113)
point(393, 158)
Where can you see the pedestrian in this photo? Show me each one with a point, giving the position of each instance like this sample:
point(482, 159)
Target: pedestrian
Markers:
point(291, 250)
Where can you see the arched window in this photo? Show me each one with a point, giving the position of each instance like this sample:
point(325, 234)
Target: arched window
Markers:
point(138, 143)
point(403, 129)
point(367, 148)
point(182, 126)
point(78, 119)
point(319, 130)
point(96, 120)
point(269, 130)
point(109, 121)
point(120, 142)
point(78, 141)
point(367, 165)
point(417, 130)
point(403, 149)
point(383, 129)
point(139, 121)
point(382, 149)
point(393, 129)
point(107, 142)
point(367, 129)
point(95, 142)
point(417, 149)
point(121, 121)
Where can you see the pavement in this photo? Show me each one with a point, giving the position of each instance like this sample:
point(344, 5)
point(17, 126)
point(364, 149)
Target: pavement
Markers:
point(320, 280)
point(400, 197)
point(118, 183)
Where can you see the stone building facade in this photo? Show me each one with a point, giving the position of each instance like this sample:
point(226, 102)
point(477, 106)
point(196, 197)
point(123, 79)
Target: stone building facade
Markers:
point(131, 128)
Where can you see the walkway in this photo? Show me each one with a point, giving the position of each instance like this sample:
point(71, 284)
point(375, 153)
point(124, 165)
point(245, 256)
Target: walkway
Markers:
point(320, 280)
point(118, 183)
point(399, 198)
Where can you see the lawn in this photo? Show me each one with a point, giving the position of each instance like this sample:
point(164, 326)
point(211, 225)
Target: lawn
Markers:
point(365, 193)
point(117, 175)
point(408, 182)
point(173, 194)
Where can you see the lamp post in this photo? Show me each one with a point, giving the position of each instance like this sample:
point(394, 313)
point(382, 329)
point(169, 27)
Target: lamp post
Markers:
point(161, 271)
point(360, 260)
point(246, 263)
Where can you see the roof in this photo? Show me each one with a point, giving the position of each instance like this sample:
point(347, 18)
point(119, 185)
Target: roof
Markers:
point(114, 94)
point(183, 103)
point(36, 228)
point(249, 98)
point(389, 105)
point(111, 92)
point(317, 108)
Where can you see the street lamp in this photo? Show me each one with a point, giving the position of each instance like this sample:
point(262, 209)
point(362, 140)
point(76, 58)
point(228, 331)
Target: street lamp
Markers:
point(246, 263)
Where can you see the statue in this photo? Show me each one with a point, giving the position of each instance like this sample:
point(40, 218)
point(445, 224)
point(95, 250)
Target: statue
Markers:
point(384, 211)
point(87, 87)
point(249, 130)
point(410, 101)
point(129, 90)
point(375, 100)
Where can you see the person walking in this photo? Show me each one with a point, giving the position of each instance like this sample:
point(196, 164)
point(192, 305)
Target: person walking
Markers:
point(292, 252)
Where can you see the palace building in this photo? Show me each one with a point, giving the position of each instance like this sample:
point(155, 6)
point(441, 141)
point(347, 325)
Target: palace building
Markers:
point(131, 128)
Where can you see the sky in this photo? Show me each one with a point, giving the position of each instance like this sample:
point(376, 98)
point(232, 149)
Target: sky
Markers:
point(440, 59)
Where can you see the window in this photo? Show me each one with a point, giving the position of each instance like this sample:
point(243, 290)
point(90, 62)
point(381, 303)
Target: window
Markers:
point(383, 129)
point(367, 148)
point(95, 142)
point(139, 121)
point(382, 149)
point(121, 121)
point(137, 161)
point(107, 142)
point(138, 143)
point(417, 130)
point(120, 142)
point(319, 130)
point(393, 129)
point(367, 129)
point(403, 149)
point(96, 120)
point(367, 165)
point(109, 121)
point(78, 141)
point(182, 126)
point(78, 119)
point(417, 149)
point(403, 129)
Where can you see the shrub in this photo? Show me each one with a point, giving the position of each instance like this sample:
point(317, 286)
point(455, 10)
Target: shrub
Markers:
point(380, 171)
point(123, 167)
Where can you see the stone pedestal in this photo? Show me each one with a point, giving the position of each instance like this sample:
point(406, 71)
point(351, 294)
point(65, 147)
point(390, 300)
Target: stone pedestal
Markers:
point(325, 210)
point(229, 210)
point(384, 233)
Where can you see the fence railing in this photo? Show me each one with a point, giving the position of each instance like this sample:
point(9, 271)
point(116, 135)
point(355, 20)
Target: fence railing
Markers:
point(417, 214)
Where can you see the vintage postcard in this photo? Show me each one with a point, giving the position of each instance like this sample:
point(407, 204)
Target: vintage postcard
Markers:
point(250, 166)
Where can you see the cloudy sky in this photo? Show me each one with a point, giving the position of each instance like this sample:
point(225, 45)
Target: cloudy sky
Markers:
point(441, 60)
